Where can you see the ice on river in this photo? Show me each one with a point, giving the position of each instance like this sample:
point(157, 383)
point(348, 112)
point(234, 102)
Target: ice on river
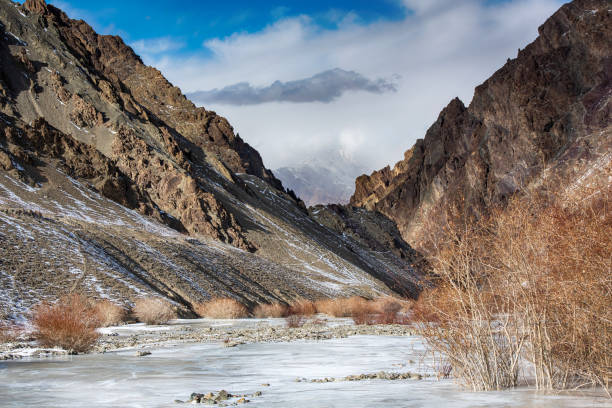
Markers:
point(120, 379)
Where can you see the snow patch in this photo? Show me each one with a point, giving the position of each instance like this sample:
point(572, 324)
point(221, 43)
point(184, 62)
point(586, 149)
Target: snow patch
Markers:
point(19, 40)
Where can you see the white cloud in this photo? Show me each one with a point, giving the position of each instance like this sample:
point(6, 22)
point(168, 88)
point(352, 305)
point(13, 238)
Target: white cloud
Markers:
point(154, 46)
point(442, 49)
point(350, 141)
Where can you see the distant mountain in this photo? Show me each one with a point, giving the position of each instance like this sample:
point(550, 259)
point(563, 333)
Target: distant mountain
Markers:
point(323, 180)
point(548, 109)
point(113, 184)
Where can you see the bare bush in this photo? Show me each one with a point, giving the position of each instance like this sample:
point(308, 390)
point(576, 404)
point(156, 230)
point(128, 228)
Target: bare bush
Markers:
point(295, 320)
point(364, 316)
point(531, 281)
point(109, 313)
point(388, 309)
point(422, 310)
point(302, 307)
point(556, 262)
point(221, 308)
point(153, 311)
point(70, 324)
point(270, 310)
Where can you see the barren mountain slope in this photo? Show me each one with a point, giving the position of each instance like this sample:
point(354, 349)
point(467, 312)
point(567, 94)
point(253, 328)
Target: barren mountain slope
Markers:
point(548, 109)
point(113, 183)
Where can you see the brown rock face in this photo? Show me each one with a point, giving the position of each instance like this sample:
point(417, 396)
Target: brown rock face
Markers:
point(163, 143)
point(36, 6)
point(26, 145)
point(176, 191)
point(521, 121)
point(144, 92)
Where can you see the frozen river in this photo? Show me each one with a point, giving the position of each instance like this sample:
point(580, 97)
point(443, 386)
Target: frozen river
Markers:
point(121, 379)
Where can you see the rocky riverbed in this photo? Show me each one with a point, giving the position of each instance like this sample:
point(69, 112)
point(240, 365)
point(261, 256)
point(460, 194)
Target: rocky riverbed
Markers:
point(237, 332)
point(228, 333)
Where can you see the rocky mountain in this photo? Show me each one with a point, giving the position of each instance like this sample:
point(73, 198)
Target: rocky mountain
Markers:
point(114, 184)
point(321, 180)
point(548, 109)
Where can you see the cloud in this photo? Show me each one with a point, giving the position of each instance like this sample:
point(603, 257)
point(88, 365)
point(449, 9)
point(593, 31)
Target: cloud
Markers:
point(325, 86)
point(154, 46)
point(350, 141)
point(441, 49)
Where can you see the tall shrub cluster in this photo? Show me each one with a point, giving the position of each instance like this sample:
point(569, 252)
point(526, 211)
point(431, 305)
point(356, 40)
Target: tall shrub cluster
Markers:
point(532, 281)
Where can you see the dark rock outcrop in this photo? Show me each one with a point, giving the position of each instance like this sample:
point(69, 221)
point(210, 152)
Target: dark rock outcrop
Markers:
point(521, 121)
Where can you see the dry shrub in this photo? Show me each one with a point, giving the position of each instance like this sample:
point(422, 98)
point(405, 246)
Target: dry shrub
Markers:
point(485, 355)
point(10, 333)
point(388, 304)
point(153, 311)
point(361, 310)
point(109, 313)
point(364, 316)
point(388, 309)
point(303, 307)
point(356, 305)
point(384, 310)
point(557, 262)
point(531, 281)
point(295, 320)
point(70, 324)
point(221, 308)
point(422, 311)
point(332, 307)
point(344, 307)
point(270, 310)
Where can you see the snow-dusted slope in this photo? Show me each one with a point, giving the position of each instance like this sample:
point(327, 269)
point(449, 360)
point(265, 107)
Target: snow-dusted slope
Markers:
point(113, 184)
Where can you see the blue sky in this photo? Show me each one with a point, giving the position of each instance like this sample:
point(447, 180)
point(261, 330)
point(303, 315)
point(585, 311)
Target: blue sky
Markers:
point(191, 23)
point(357, 80)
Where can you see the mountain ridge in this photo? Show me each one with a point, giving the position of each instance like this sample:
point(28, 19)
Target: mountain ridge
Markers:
point(547, 108)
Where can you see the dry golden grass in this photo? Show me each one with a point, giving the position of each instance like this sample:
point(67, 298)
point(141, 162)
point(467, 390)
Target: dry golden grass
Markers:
point(384, 310)
point(153, 311)
point(109, 313)
point(345, 307)
point(70, 324)
point(533, 280)
point(390, 304)
point(333, 307)
point(221, 308)
point(330, 307)
point(270, 310)
point(302, 307)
